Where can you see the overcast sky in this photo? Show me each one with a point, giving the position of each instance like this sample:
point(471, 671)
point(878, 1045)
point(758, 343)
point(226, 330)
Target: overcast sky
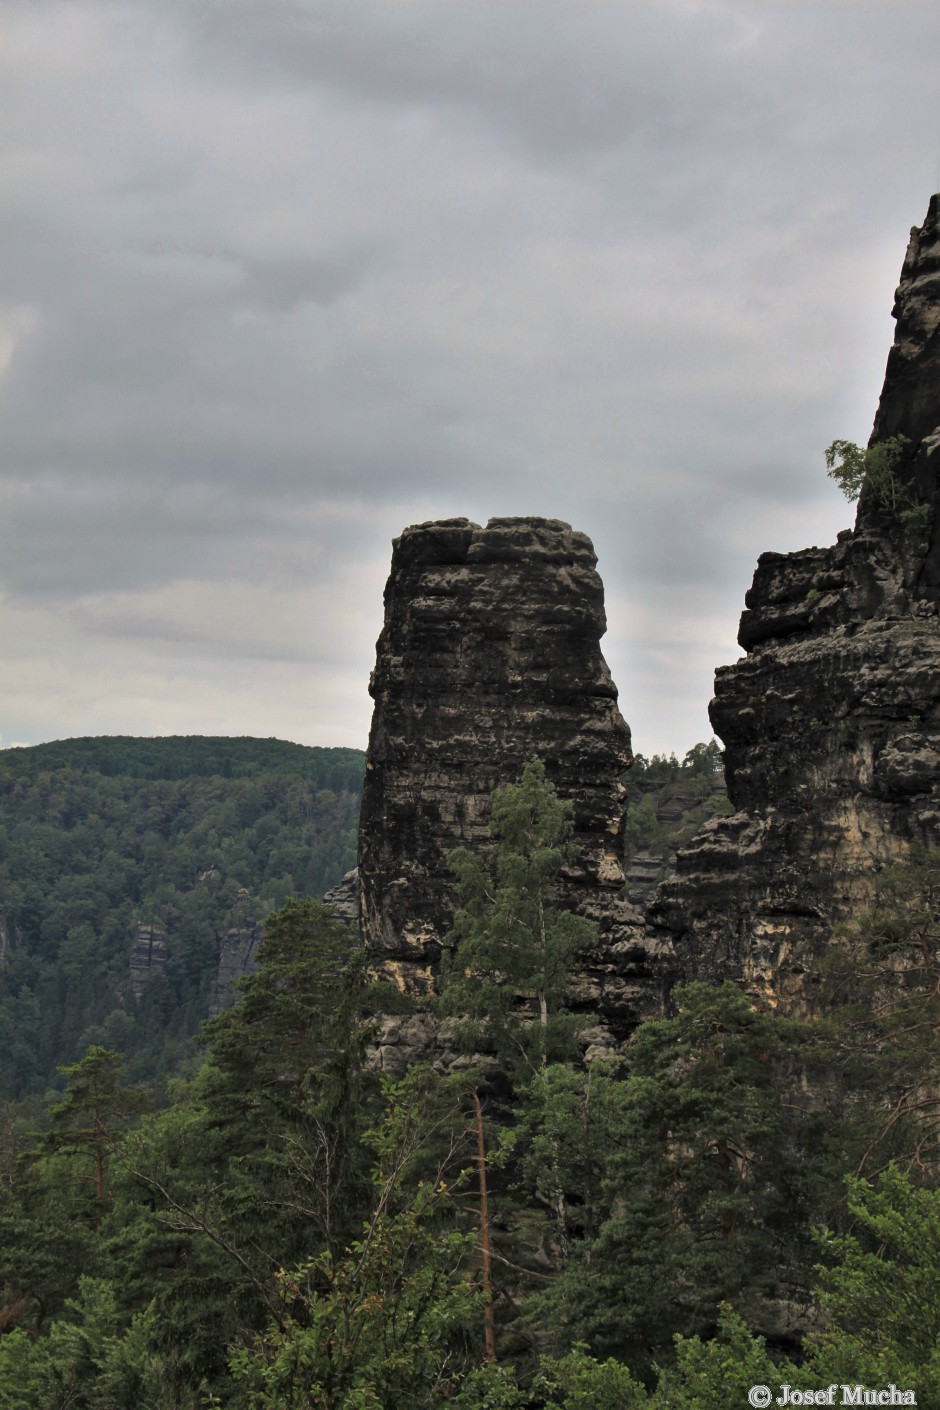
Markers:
point(280, 277)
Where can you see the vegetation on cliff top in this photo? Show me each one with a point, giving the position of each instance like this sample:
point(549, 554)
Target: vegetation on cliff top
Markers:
point(875, 474)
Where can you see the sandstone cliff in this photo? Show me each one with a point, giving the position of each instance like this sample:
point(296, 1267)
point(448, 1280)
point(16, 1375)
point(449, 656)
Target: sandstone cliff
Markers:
point(831, 721)
point(490, 656)
point(148, 957)
point(7, 938)
point(237, 952)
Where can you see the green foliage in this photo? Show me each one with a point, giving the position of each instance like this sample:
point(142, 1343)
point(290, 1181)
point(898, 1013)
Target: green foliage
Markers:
point(707, 760)
point(92, 1359)
point(295, 1009)
point(882, 982)
point(190, 756)
point(715, 1374)
point(670, 800)
point(285, 1234)
point(99, 835)
point(262, 1164)
point(875, 472)
point(45, 1246)
point(846, 464)
point(21, 1367)
point(284, 1088)
point(701, 761)
point(642, 828)
point(579, 1382)
point(96, 1105)
point(881, 1290)
point(706, 1187)
point(512, 946)
point(569, 1125)
point(56, 1188)
point(380, 1327)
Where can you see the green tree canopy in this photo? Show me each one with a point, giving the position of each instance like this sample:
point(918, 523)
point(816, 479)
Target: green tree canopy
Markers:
point(706, 1184)
point(875, 473)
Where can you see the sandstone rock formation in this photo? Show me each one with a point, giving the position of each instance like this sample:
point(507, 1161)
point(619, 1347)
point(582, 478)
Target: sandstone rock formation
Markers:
point(489, 657)
point(7, 937)
point(148, 957)
point(237, 953)
point(344, 898)
point(831, 722)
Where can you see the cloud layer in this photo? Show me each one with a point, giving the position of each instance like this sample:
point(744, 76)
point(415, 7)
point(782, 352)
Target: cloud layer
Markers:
point(283, 278)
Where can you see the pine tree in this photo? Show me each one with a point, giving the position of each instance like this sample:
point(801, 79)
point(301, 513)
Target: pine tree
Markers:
point(706, 1194)
point(388, 1322)
point(262, 1165)
point(512, 947)
point(85, 1123)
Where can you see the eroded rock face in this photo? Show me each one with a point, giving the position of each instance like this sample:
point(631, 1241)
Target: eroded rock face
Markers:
point(7, 938)
point(490, 657)
point(344, 898)
point(831, 722)
point(148, 957)
point(237, 952)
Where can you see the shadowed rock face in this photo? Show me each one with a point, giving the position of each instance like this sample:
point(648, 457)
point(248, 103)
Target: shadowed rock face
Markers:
point(148, 957)
point(489, 657)
point(831, 722)
point(238, 954)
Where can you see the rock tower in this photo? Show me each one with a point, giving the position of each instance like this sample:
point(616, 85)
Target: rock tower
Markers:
point(831, 721)
point(489, 657)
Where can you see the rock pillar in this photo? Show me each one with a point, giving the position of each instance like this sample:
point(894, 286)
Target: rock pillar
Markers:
point(490, 656)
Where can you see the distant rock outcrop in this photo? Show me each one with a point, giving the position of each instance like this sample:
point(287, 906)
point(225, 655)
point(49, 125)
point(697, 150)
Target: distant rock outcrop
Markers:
point(237, 954)
point(239, 950)
point(831, 722)
point(344, 898)
point(148, 957)
point(489, 657)
point(7, 938)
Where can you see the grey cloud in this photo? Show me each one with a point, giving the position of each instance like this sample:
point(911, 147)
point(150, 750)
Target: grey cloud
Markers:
point(68, 536)
point(183, 635)
point(709, 85)
point(532, 70)
point(282, 282)
point(282, 278)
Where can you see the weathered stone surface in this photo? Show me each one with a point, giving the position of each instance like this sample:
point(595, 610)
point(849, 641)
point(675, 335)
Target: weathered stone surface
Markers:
point(644, 872)
point(405, 1039)
point(681, 802)
point(344, 898)
point(489, 657)
point(147, 957)
point(7, 937)
point(831, 722)
point(237, 952)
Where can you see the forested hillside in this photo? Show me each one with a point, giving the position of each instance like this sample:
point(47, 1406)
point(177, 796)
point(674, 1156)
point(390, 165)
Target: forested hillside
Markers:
point(100, 837)
point(286, 1230)
point(105, 839)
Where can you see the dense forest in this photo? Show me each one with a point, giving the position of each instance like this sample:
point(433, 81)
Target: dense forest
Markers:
point(740, 1199)
point(101, 836)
